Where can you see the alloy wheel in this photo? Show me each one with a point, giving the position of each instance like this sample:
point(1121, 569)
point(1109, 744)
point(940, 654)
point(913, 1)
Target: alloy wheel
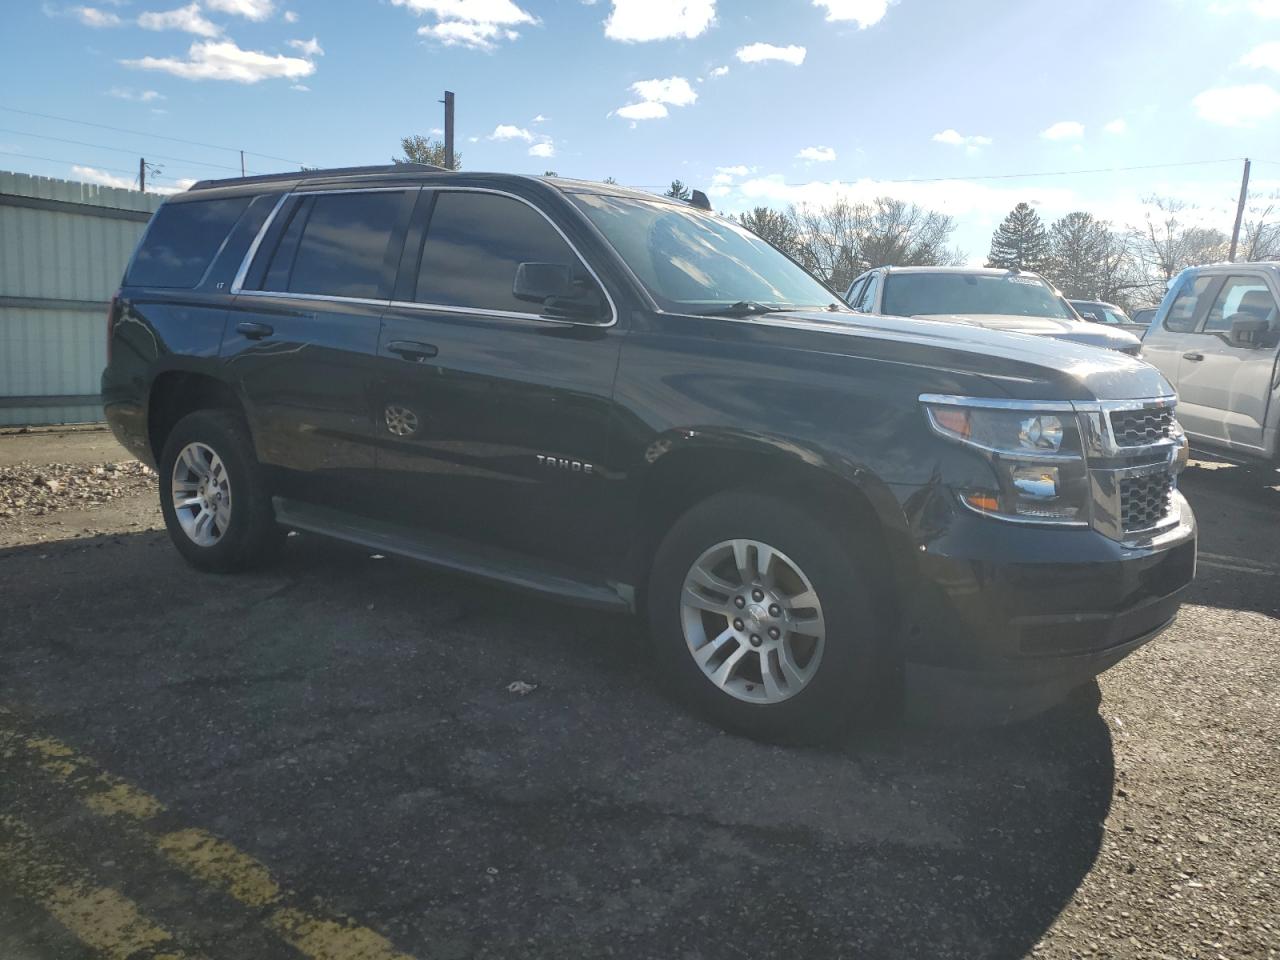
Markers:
point(201, 494)
point(752, 621)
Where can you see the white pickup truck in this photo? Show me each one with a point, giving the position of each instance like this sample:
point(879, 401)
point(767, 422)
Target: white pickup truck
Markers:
point(1216, 338)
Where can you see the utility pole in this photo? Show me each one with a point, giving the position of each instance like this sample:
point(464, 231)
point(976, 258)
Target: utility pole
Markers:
point(1244, 197)
point(142, 174)
point(242, 163)
point(448, 129)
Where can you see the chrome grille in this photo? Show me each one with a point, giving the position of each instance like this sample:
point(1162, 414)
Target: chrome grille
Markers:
point(1138, 428)
point(1145, 501)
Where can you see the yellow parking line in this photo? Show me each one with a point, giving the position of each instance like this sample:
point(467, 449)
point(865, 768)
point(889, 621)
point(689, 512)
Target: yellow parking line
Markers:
point(203, 856)
point(101, 918)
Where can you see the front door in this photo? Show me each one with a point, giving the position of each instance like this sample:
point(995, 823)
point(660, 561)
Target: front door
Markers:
point(495, 419)
point(1224, 388)
point(302, 337)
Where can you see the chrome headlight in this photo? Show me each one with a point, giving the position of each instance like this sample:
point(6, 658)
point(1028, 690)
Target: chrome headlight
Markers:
point(1036, 455)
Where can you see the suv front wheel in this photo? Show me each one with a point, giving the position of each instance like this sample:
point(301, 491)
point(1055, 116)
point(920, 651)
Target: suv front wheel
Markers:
point(763, 620)
point(213, 495)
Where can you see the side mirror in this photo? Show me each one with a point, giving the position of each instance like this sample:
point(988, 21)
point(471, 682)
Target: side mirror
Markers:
point(560, 292)
point(1247, 331)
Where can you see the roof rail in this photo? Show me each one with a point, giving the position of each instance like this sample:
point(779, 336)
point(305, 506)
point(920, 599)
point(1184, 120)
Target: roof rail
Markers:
point(322, 174)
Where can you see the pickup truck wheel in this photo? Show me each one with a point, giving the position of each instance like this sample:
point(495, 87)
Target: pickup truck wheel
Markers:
point(212, 494)
point(762, 619)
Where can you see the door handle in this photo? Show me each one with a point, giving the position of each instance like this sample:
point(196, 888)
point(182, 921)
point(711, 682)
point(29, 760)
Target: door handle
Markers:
point(1194, 357)
point(254, 330)
point(412, 350)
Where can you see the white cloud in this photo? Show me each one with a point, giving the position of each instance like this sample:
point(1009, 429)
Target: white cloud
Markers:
point(188, 19)
point(1265, 56)
point(509, 131)
point(645, 110)
point(300, 87)
point(817, 154)
point(1117, 126)
point(758, 52)
point(1267, 9)
point(972, 143)
point(736, 171)
point(478, 24)
point(290, 16)
point(93, 17)
point(207, 60)
point(308, 48)
point(102, 178)
point(637, 21)
point(249, 9)
point(546, 150)
point(655, 95)
point(140, 96)
point(719, 71)
point(539, 119)
point(1242, 106)
point(1063, 130)
point(673, 90)
point(864, 13)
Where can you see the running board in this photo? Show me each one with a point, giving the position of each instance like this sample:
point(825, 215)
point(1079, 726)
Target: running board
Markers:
point(456, 555)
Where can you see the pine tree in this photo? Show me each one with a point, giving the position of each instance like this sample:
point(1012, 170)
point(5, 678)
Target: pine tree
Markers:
point(678, 190)
point(1021, 242)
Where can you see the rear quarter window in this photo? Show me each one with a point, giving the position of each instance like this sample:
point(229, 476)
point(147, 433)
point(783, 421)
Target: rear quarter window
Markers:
point(182, 240)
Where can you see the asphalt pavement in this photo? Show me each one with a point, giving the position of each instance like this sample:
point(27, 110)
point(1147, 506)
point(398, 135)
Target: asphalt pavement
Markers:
point(347, 757)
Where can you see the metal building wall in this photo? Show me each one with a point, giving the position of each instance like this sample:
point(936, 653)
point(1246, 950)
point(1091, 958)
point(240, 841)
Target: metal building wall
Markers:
point(63, 249)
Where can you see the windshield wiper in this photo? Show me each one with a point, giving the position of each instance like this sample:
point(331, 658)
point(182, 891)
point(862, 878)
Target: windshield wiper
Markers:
point(744, 308)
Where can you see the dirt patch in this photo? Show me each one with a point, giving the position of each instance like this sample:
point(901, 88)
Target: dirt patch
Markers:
point(34, 490)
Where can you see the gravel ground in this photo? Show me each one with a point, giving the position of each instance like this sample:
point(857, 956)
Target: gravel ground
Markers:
point(350, 724)
point(29, 490)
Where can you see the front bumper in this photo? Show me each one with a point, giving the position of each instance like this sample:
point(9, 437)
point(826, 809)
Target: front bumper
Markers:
point(1008, 618)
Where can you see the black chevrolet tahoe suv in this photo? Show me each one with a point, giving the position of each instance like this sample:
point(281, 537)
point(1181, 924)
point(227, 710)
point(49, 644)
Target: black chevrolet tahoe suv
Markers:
point(628, 402)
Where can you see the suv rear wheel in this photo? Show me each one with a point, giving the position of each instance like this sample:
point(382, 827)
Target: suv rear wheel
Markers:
point(213, 495)
point(763, 619)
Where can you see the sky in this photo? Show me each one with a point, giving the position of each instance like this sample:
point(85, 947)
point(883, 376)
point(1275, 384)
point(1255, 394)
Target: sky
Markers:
point(757, 102)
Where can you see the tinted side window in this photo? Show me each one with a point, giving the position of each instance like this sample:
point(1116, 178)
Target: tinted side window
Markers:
point(1246, 296)
point(182, 240)
point(342, 242)
point(1182, 313)
point(855, 292)
point(473, 245)
point(867, 300)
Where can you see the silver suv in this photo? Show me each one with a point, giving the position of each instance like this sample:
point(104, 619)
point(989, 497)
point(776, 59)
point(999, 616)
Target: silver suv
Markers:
point(1011, 300)
point(1216, 338)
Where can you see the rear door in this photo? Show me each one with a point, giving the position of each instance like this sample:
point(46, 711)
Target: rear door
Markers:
point(1224, 388)
point(302, 336)
point(494, 418)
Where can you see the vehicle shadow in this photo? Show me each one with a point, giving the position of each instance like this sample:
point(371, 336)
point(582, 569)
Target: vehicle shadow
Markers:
point(348, 722)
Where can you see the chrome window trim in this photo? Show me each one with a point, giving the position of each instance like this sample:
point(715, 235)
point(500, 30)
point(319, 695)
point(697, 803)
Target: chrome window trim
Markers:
point(999, 403)
point(289, 295)
point(252, 252)
point(482, 312)
point(613, 307)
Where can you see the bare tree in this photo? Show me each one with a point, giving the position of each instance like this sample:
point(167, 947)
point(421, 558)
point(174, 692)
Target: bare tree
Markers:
point(778, 227)
point(1166, 244)
point(842, 239)
point(1260, 232)
point(419, 149)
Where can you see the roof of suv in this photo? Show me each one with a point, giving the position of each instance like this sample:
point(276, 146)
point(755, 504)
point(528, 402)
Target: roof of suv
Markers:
point(984, 271)
point(406, 172)
point(1227, 266)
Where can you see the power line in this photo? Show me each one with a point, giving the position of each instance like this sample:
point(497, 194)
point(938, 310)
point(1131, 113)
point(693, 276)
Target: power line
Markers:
point(101, 146)
point(143, 133)
point(1008, 176)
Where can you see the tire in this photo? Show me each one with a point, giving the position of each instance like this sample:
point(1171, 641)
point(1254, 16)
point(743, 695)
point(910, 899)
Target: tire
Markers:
point(818, 697)
point(240, 532)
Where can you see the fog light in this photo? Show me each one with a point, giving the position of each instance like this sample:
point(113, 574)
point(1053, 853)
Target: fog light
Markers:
point(1036, 482)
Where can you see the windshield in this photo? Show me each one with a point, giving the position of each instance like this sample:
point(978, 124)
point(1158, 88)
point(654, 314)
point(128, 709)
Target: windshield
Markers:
point(692, 262)
point(926, 294)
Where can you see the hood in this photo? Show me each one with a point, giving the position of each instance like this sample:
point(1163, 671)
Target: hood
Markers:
point(1014, 364)
point(1077, 331)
